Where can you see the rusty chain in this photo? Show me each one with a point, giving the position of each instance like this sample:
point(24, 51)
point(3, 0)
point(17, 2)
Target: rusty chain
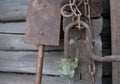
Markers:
point(92, 70)
point(87, 11)
point(91, 65)
point(75, 12)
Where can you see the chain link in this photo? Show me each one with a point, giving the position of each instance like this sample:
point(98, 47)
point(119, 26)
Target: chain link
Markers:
point(92, 67)
point(87, 11)
point(75, 12)
point(92, 70)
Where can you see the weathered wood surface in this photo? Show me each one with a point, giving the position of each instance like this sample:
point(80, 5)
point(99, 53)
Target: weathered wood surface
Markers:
point(12, 28)
point(16, 9)
point(115, 28)
point(25, 62)
point(11, 78)
point(13, 9)
point(19, 28)
point(10, 32)
point(16, 42)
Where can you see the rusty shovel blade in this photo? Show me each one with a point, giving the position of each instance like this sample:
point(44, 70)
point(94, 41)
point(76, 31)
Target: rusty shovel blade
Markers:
point(43, 22)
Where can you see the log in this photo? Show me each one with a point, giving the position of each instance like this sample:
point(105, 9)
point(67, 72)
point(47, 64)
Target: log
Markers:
point(25, 62)
point(12, 28)
point(13, 10)
point(11, 78)
point(16, 42)
point(115, 28)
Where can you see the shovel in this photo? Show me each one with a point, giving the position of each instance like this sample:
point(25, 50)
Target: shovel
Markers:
point(42, 27)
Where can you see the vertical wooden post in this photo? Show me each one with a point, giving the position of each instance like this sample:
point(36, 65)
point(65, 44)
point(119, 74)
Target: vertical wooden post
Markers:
point(115, 30)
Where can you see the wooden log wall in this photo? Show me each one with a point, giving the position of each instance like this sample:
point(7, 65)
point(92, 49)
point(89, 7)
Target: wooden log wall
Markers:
point(18, 57)
point(115, 34)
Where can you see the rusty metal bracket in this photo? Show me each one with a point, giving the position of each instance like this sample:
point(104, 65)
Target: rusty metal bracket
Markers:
point(92, 55)
point(66, 36)
point(89, 45)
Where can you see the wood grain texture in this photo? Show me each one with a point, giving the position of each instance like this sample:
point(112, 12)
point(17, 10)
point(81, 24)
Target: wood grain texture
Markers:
point(12, 28)
point(19, 28)
point(13, 10)
point(25, 62)
point(17, 9)
point(115, 27)
point(16, 42)
point(11, 78)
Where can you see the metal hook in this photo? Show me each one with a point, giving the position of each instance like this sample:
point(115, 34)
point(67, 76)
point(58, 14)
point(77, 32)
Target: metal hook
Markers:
point(66, 36)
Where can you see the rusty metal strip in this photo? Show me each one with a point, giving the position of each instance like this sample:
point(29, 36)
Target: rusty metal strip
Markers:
point(89, 46)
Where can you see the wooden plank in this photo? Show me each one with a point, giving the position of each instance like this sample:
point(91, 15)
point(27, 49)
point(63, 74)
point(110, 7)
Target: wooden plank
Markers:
point(13, 9)
point(115, 28)
point(16, 42)
point(18, 27)
point(11, 78)
point(16, 9)
point(25, 62)
point(11, 38)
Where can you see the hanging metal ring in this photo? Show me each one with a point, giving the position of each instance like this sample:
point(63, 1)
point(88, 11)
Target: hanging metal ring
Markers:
point(62, 11)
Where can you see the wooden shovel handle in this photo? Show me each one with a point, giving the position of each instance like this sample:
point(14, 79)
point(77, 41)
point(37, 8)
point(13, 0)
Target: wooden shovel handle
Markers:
point(40, 64)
